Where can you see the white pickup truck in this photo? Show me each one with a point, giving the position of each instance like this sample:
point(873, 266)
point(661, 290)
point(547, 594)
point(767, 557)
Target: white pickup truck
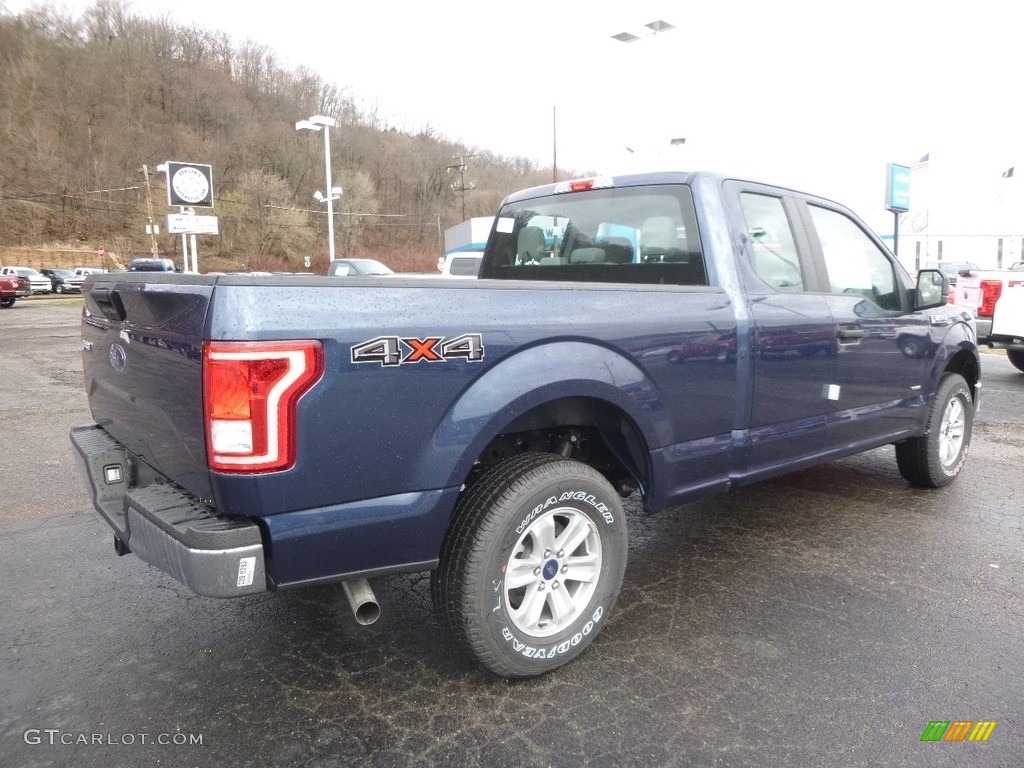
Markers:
point(996, 299)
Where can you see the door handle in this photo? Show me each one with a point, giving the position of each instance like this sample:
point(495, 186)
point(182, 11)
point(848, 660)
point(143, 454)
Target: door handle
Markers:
point(850, 333)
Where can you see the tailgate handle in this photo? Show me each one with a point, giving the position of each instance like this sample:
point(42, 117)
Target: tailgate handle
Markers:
point(109, 302)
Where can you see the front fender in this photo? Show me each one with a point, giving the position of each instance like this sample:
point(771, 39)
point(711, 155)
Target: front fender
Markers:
point(960, 341)
point(525, 380)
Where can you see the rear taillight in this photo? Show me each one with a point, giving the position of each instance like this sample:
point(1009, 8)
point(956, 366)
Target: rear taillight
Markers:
point(250, 390)
point(990, 292)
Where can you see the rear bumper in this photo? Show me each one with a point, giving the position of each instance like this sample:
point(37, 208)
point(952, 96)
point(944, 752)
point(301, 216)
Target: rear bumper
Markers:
point(164, 526)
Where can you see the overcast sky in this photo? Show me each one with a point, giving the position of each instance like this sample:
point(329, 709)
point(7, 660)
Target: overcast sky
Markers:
point(809, 94)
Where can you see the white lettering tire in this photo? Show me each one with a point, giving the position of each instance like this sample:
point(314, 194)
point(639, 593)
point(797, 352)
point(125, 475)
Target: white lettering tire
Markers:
point(532, 564)
point(935, 458)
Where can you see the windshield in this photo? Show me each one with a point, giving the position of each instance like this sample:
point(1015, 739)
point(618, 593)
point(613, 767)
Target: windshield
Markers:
point(370, 267)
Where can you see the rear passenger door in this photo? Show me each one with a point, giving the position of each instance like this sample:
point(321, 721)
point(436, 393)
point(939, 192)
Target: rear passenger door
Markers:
point(792, 333)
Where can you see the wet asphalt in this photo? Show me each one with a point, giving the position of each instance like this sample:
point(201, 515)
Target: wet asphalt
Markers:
point(820, 619)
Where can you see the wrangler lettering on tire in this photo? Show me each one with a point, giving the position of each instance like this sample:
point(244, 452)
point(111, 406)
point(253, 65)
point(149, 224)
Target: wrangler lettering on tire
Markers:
point(935, 458)
point(532, 564)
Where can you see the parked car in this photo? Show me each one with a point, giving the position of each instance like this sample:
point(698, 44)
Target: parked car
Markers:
point(63, 280)
point(84, 272)
point(8, 290)
point(358, 268)
point(37, 283)
point(952, 269)
point(151, 265)
point(22, 287)
point(462, 264)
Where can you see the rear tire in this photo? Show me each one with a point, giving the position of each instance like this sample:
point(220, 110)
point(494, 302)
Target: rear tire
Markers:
point(8, 302)
point(1016, 357)
point(532, 564)
point(935, 458)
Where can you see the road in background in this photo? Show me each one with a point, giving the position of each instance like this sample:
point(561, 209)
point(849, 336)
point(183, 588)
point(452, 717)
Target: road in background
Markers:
point(821, 619)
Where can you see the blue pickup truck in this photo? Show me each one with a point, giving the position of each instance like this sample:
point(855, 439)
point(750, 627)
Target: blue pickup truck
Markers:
point(670, 334)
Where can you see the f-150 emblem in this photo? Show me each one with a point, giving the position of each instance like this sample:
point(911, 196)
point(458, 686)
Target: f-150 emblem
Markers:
point(398, 350)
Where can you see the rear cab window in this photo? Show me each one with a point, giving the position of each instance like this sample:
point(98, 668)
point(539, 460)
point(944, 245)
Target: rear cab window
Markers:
point(644, 234)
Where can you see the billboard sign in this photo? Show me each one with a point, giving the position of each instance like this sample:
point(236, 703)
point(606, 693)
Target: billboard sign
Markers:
point(897, 188)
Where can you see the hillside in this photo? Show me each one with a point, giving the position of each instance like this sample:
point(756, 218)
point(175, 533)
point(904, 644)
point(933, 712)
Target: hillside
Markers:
point(86, 102)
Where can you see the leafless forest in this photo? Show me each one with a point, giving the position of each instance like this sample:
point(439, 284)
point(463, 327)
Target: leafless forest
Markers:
point(86, 102)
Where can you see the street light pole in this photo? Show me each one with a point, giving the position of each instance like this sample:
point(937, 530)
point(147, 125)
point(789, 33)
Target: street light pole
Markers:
point(330, 195)
point(315, 123)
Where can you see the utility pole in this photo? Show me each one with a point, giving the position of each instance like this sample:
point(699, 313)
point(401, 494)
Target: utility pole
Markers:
point(149, 212)
point(461, 168)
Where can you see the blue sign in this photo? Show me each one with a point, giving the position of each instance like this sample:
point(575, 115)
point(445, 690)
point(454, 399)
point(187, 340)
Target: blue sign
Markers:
point(897, 188)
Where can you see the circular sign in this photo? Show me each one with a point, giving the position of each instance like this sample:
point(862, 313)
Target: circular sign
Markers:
point(190, 184)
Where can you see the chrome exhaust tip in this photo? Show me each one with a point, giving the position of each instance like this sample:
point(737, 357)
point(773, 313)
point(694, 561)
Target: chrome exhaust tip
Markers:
point(361, 599)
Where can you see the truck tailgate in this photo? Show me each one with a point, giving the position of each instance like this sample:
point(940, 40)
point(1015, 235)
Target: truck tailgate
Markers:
point(142, 339)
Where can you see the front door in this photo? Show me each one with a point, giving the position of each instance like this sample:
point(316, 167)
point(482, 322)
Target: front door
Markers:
point(882, 347)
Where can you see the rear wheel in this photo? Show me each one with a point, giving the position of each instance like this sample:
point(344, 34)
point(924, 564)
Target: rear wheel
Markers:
point(1016, 357)
point(60, 288)
point(935, 458)
point(532, 564)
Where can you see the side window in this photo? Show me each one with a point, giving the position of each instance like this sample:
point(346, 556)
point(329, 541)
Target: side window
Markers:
point(775, 258)
point(854, 263)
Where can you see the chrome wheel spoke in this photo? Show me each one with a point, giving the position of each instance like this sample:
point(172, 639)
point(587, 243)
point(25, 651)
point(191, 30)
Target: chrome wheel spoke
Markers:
point(563, 608)
point(585, 568)
point(521, 571)
point(543, 533)
point(574, 534)
point(527, 615)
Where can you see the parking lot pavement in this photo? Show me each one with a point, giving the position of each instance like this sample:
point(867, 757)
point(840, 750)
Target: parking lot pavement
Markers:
point(821, 619)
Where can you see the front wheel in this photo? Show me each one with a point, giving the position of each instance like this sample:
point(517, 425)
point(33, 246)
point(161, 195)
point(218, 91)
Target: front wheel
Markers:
point(60, 288)
point(1016, 357)
point(935, 458)
point(8, 302)
point(532, 564)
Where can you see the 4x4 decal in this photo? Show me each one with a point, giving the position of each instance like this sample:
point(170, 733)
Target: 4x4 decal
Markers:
point(397, 350)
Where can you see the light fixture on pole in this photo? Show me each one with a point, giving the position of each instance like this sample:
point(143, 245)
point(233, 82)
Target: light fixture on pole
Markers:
point(315, 123)
point(655, 27)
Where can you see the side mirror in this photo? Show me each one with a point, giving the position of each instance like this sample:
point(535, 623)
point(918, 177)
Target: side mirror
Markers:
point(932, 289)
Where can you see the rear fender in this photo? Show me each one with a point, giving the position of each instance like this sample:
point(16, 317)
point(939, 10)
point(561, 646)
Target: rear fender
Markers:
point(526, 380)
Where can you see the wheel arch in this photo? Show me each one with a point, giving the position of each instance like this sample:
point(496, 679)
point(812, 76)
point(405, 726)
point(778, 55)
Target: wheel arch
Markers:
point(965, 362)
point(535, 399)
